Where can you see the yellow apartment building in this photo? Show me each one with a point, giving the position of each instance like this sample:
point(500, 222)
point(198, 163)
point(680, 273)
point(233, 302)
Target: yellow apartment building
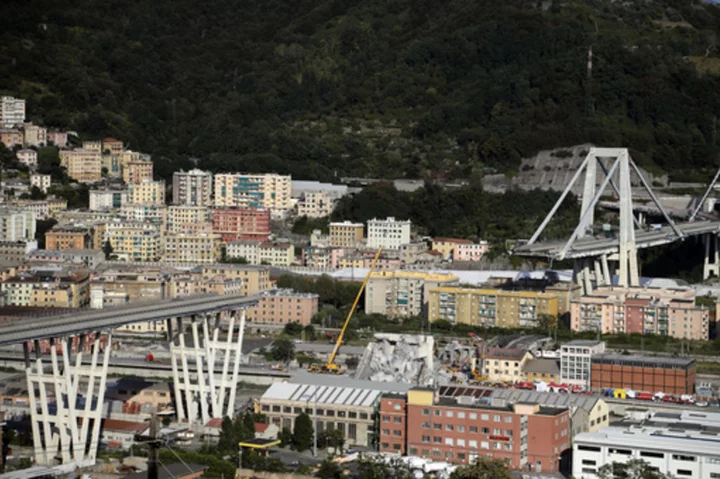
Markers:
point(134, 241)
point(346, 234)
point(135, 172)
point(491, 307)
point(84, 166)
point(192, 248)
point(255, 278)
point(180, 216)
point(276, 254)
point(147, 192)
point(403, 293)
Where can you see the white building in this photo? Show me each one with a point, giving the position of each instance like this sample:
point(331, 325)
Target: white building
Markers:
point(679, 449)
point(192, 188)
point(16, 224)
point(575, 359)
point(268, 190)
point(12, 111)
point(388, 233)
point(250, 250)
point(103, 200)
point(315, 204)
point(41, 181)
point(28, 157)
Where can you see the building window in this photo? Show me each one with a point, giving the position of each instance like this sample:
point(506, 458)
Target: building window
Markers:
point(426, 439)
point(437, 426)
point(450, 414)
point(448, 441)
point(397, 420)
point(449, 427)
point(473, 429)
point(386, 432)
point(426, 412)
point(397, 432)
point(386, 419)
point(679, 457)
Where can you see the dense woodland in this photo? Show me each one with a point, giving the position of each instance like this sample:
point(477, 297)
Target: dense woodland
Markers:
point(385, 88)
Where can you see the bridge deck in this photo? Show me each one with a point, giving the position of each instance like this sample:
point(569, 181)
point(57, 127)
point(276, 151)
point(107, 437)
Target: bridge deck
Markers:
point(594, 246)
point(93, 320)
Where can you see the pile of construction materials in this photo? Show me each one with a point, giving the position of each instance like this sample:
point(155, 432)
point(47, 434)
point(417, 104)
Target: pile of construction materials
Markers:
point(402, 358)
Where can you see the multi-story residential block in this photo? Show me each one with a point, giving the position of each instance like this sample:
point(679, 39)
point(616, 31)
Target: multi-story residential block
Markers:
point(270, 190)
point(526, 436)
point(315, 204)
point(16, 224)
point(262, 252)
point(111, 165)
point(12, 111)
point(388, 233)
point(403, 293)
point(255, 278)
point(664, 312)
point(41, 181)
point(93, 145)
point(349, 408)
point(346, 234)
point(62, 237)
point(147, 192)
point(82, 165)
point(247, 249)
point(470, 251)
point(42, 289)
point(47, 208)
point(134, 286)
point(192, 248)
point(136, 172)
point(542, 369)
point(575, 359)
point(643, 373)
point(182, 218)
point(446, 246)
point(282, 306)
point(193, 188)
point(504, 364)
point(113, 146)
point(134, 241)
point(322, 257)
point(242, 223)
point(28, 157)
point(365, 259)
point(104, 200)
point(17, 251)
point(57, 138)
point(491, 307)
point(143, 212)
point(11, 137)
point(89, 258)
point(34, 135)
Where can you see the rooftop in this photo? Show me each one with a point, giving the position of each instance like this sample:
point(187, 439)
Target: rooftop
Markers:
point(504, 353)
point(637, 359)
point(583, 342)
point(451, 240)
point(326, 395)
point(548, 366)
point(651, 439)
point(124, 426)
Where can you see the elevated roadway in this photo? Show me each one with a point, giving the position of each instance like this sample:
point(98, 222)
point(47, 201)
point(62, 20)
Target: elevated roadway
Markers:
point(54, 326)
point(591, 246)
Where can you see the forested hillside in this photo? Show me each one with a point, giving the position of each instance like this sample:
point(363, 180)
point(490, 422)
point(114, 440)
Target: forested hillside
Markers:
point(391, 88)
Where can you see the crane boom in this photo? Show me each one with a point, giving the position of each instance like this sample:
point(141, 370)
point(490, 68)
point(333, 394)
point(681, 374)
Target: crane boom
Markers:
point(352, 310)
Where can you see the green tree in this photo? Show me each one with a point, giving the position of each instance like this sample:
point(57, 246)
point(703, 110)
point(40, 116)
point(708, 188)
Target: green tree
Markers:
point(227, 440)
point(285, 437)
point(293, 329)
point(633, 469)
point(376, 469)
point(309, 332)
point(282, 350)
point(483, 468)
point(107, 249)
point(41, 228)
point(37, 194)
point(334, 438)
point(547, 321)
point(302, 437)
point(329, 470)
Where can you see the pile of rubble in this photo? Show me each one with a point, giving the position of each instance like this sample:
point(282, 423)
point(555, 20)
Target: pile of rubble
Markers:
point(401, 358)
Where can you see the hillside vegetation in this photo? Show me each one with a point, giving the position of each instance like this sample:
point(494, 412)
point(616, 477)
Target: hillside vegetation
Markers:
point(391, 88)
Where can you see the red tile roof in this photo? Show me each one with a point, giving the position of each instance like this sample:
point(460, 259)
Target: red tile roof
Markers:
point(215, 422)
point(124, 426)
point(260, 427)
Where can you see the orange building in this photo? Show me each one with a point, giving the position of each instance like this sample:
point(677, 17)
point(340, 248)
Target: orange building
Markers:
point(643, 373)
point(60, 238)
point(284, 306)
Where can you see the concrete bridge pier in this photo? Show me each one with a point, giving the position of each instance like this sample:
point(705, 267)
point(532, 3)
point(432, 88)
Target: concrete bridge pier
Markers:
point(593, 272)
point(202, 396)
point(711, 265)
point(65, 423)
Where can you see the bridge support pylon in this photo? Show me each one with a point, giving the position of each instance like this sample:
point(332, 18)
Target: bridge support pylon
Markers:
point(711, 265)
point(65, 423)
point(200, 395)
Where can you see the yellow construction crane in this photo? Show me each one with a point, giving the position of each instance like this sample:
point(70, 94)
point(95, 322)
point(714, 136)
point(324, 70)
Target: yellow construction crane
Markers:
point(330, 367)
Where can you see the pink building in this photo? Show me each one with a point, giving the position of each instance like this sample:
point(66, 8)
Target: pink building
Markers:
point(469, 251)
point(663, 312)
point(58, 138)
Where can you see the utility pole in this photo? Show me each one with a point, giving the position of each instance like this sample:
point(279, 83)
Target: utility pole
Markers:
point(153, 444)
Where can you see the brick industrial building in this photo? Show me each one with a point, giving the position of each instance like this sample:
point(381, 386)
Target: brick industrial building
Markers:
point(527, 436)
point(643, 373)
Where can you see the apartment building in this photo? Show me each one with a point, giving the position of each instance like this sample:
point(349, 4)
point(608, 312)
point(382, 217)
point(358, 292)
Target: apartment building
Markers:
point(133, 241)
point(403, 293)
point(28, 157)
point(42, 209)
point(255, 278)
point(113, 146)
point(364, 259)
point(42, 182)
point(104, 200)
point(62, 237)
point(322, 257)
point(47, 289)
point(17, 251)
point(575, 360)
point(147, 192)
point(182, 218)
point(12, 111)
point(16, 224)
point(490, 307)
point(192, 188)
point(136, 172)
point(93, 145)
point(643, 373)
point(659, 311)
point(111, 163)
point(82, 165)
point(315, 204)
point(275, 253)
point(270, 190)
point(34, 135)
point(11, 137)
point(470, 251)
point(192, 248)
point(57, 138)
point(282, 306)
point(526, 436)
point(145, 212)
point(446, 246)
point(505, 364)
point(133, 286)
point(388, 233)
point(346, 234)
point(242, 223)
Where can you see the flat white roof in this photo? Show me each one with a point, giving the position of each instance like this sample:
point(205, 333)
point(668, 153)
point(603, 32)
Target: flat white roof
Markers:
point(659, 440)
point(325, 395)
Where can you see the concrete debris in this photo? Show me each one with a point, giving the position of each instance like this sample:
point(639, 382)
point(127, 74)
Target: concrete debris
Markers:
point(401, 358)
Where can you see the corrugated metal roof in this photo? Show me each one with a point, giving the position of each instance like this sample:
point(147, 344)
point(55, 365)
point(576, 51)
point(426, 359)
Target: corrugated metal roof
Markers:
point(546, 398)
point(337, 395)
